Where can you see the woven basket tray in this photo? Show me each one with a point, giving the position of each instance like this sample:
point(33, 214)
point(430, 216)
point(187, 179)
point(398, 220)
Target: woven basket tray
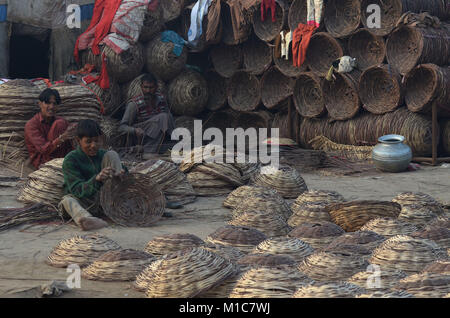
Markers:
point(440, 266)
point(368, 49)
point(419, 198)
point(389, 227)
point(235, 198)
point(257, 56)
point(329, 290)
point(228, 252)
point(170, 243)
point(387, 279)
point(308, 213)
point(367, 239)
point(267, 30)
point(342, 18)
point(243, 238)
point(440, 235)
point(273, 203)
point(426, 285)
point(417, 214)
point(226, 59)
point(308, 98)
point(317, 234)
point(244, 92)
point(289, 246)
point(269, 223)
point(81, 250)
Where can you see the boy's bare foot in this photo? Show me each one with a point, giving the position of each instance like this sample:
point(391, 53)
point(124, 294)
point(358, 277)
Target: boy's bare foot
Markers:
point(92, 223)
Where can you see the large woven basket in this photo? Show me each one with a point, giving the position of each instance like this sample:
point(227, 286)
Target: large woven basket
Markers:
point(227, 59)
point(308, 213)
point(322, 51)
point(368, 49)
point(235, 198)
point(419, 198)
point(417, 214)
point(255, 119)
point(269, 223)
point(187, 273)
point(153, 23)
point(221, 119)
point(317, 197)
point(134, 200)
point(440, 266)
point(275, 88)
point(81, 250)
point(267, 30)
point(298, 13)
point(407, 254)
point(217, 90)
point(385, 279)
point(120, 265)
point(426, 285)
point(342, 18)
point(351, 216)
point(170, 243)
point(367, 239)
point(172, 9)
point(440, 235)
point(228, 252)
point(244, 92)
point(264, 202)
point(329, 290)
point(206, 184)
point(286, 66)
point(248, 169)
point(243, 238)
point(353, 249)
point(257, 56)
point(307, 96)
point(141, 282)
point(380, 89)
point(224, 289)
point(290, 246)
point(318, 234)
point(389, 227)
point(188, 94)
point(161, 61)
point(266, 260)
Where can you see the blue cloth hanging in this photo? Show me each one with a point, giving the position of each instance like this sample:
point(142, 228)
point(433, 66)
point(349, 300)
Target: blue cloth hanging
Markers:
point(176, 39)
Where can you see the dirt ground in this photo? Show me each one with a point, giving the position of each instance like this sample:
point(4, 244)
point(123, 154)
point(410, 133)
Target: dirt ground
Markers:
point(24, 249)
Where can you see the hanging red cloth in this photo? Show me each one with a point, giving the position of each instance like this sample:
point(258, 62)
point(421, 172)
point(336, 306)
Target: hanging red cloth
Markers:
point(300, 41)
point(265, 6)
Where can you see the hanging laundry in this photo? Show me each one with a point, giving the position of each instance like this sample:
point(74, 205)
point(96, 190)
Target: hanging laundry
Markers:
point(265, 6)
point(214, 12)
point(285, 42)
point(345, 64)
point(300, 41)
point(199, 10)
point(239, 9)
point(176, 39)
point(314, 9)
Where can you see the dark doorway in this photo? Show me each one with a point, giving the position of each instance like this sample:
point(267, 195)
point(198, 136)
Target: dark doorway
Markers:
point(29, 57)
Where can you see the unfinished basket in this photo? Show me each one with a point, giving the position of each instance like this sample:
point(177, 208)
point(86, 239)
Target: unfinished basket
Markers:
point(389, 227)
point(134, 200)
point(172, 9)
point(440, 235)
point(110, 97)
point(308, 213)
point(322, 51)
point(307, 96)
point(110, 130)
point(380, 89)
point(267, 282)
point(228, 252)
point(318, 234)
point(290, 246)
point(217, 90)
point(419, 198)
point(187, 273)
point(384, 280)
point(368, 48)
point(244, 92)
point(341, 95)
point(407, 254)
point(418, 215)
point(268, 30)
point(439, 266)
point(120, 265)
point(329, 290)
point(351, 216)
point(235, 198)
point(298, 13)
point(257, 56)
point(222, 171)
point(264, 202)
point(426, 285)
point(170, 243)
point(81, 250)
point(161, 61)
point(367, 239)
point(342, 18)
point(153, 23)
point(243, 238)
point(188, 94)
point(269, 223)
point(226, 59)
point(206, 184)
point(275, 88)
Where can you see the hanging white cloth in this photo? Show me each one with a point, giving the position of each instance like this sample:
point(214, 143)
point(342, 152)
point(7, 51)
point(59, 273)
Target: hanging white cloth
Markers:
point(198, 12)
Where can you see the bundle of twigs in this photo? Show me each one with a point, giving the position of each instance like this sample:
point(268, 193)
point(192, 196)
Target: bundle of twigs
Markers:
point(12, 217)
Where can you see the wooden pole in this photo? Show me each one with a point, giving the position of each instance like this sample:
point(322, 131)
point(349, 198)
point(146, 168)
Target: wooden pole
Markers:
point(435, 132)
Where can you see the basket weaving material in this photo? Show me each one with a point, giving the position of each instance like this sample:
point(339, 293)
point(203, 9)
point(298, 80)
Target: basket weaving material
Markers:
point(387, 279)
point(153, 24)
point(217, 90)
point(267, 30)
point(187, 273)
point(285, 180)
point(419, 198)
point(440, 235)
point(275, 88)
point(133, 201)
point(248, 169)
point(429, 285)
point(329, 290)
point(269, 223)
point(257, 56)
point(265, 202)
point(389, 227)
point(170, 243)
point(368, 49)
point(322, 51)
point(298, 13)
point(342, 17)
point(332, 266)
point(266, 282)
point(317, 234)
point(11, 217)
point(407, 254)
point(416, 214)
point(120, 265)
point(161, 61)
point(341, 95)
point(386, 294)
point(289, 246)
point(188, 94)
point(81, 250)
point(380, 89)
point(110, 130)
point(440, 266)
point(141, 282)
point(351, 216)
point(408, 46)
point(367, 239)
point(243, 238)
point(308, 213)
point(235, 198)
point(307, 96)
point(244, 92)
point(172, 9)
point(228, 252)
point(227, 59)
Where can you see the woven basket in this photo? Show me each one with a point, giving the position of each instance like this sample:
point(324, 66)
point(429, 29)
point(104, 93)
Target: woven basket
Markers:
point(440, 266)
point(235, 198)
point(286, 67)
point(308, 98)
point(322, 51)
point(187, 273)
point(408, 46)
point(223, 171)
point(290, 246)
point(386, 294)
point(269, 283)
point(275, 88)
point(255, 119)
point(440, 235)
point(141, 282)
point(264, 202)
point(317, 197)
point(244, 92)
point(133, 201)
point(427, 84)
point(120, 265)
point(228, 252)
point(367, 239)
point(81, 250)
point(426, 285)
point(308, 213)
point(188, 94)
point(266, 260)
point(317, 234)
point(354, 249)
point(332, 266)
point(269, 223)
point(298, 13)
point(243, 238)
point(351, 216)
point(153, 24)
point(208, 185)
point(170, 243)
point(329, 290)
point(342, 18)
point(267, 30)
point(247, 169)
point(387, 279)
point(416, 214)
point(222, 119)
point(224, 289)
point(172, 9)
point(186, 122)
point(389, 227)
point(407, 254)
point(380, 89)
point(419, 198)
point(341, 95)
point(368, 49)
point(161, 61)
point(217, 90)
point(257, 56)
point(226, 59)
